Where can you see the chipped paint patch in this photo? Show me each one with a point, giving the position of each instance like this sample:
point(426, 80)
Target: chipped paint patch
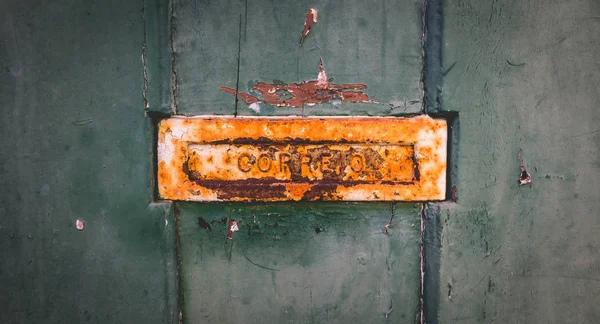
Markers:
point(255, 106)
point(79, 225)
point(233, 227)
point(274, 159)
point(311, 18)
point(304, 93)
point(525, 177)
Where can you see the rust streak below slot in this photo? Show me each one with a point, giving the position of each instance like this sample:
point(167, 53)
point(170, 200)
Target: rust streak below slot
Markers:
point(274, 159)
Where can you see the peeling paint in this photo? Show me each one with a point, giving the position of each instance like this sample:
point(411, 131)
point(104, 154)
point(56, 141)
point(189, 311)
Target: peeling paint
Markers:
point(233, 227)
point(322, 81)
point(454, 193)
point(255, 106)
point(79, 225)
point(304, 93)
point(525, 177)
point(311, 18)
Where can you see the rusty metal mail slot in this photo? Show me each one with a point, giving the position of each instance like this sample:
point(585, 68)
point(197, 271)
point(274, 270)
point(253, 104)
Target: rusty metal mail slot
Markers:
point(273, 159)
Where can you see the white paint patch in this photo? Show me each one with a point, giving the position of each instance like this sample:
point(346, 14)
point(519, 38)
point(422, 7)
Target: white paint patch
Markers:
point(322, 79)
point(436, 157)
point(255, 106)
point(166, 150)
point(226, 125)
point(314, 14)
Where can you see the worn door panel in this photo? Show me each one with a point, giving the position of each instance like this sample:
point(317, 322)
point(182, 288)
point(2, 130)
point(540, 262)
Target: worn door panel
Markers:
point(372, 43)
point(205, 45)
point(525, 82)
point(236, 44)
point(76, 147)
point(300, 263)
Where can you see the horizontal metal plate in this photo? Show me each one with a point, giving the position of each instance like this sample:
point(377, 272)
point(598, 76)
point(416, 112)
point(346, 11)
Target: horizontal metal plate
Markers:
point(273, 159)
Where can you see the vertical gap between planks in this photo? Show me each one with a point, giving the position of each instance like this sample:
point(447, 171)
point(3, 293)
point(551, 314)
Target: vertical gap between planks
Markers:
point(421, 313)
point(144, 65)
point(433, 75)
point(172, 287)
point(173, 71)
point(423, 56)
point(177, 220)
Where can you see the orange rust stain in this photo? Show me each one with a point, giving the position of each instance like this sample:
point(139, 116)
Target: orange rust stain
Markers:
point(394, 130)
point(424, 154)
point(161, 133)
point(300, 94)
point(194, 163)
point(295, 191)
point(329, 175)
point(163, 173)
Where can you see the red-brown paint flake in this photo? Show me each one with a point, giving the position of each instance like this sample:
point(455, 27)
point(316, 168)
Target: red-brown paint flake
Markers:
point(311, 18)
point(233, 227)
point(307, 92)
point(249, 99)
point(525, 177)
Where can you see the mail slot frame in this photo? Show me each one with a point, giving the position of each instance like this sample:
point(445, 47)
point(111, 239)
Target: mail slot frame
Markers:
point(267, 148)
point(427, 136)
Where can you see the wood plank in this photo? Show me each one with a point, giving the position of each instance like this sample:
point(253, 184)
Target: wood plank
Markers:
point(301, 263)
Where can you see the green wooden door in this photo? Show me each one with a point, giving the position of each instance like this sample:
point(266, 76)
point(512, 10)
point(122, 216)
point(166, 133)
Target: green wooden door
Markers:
point(83, 83)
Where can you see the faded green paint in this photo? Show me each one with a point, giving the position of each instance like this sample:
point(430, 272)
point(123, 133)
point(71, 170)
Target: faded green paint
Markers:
point(524, 76)
point(205, 52)
point(300, 263)
point(382, 51)
point(76, 146)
